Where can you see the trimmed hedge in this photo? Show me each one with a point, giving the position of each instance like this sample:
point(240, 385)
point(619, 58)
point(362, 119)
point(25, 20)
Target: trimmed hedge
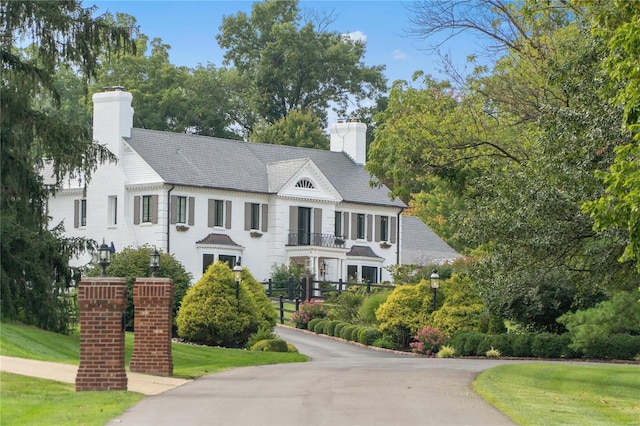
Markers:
point(318, 328)
point(312, 323)
point(543, 345)
point(368, 335)
point(337, 331)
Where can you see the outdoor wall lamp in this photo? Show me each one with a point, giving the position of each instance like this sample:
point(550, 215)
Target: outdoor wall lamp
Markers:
point(154, 262)
point(104, 257)
point(435, 282)
point(237, 273)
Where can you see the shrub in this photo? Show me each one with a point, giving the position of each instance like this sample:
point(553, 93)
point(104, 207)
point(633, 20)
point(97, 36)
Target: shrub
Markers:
point(405, 309)
point(353, 337)
point(617, 346)
point(312, 323)
point(383, 342)
point(367, 312)
point(521, 344)
point(308, 311)
point(549, 345)
point(259, 345)
point(345, 333)
point(446, 352)
point(211, 314)
point(427, 341)
point(466, 343)
point(330, 327)
point(591, 327)
point(493, 353)
point(271, 345)
point(368, 335)
point(347, 306)
point(318, 328)
point(463, 308)
point(291, 348)
point(263, 333)
point(337, 331)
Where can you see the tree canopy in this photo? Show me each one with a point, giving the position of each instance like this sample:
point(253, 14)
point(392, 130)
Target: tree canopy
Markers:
point(504, 159)
point(35, 254)
point(288, 64)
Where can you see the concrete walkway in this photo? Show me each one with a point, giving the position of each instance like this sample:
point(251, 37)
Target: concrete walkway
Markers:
point(142, 383)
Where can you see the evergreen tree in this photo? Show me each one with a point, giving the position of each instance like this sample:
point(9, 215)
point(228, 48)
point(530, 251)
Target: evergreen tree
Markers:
point(34, 254)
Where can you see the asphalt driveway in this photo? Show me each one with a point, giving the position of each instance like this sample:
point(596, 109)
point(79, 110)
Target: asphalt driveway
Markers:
point(343, 384)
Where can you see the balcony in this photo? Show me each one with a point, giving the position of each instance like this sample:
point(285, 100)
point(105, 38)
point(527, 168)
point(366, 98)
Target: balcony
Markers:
point(318, 240)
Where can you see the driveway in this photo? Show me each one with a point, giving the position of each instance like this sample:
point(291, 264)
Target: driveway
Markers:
point(343, 384)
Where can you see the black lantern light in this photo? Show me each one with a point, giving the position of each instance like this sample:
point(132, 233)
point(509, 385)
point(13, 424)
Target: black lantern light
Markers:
point(104, 257)
point(237, 273)
point(154, 261)
point(435, 282)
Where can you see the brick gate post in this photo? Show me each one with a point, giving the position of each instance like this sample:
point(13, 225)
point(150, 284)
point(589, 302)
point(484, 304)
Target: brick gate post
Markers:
point(153, 301)
point(102, 301)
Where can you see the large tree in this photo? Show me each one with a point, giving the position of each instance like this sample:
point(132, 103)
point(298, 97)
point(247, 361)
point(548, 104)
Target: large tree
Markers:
point(518, 145)
point(618, 22)
point(34, 257)
point(288, 64)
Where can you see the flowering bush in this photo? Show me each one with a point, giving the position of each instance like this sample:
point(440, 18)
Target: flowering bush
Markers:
point(308, 311)
point(428, 341)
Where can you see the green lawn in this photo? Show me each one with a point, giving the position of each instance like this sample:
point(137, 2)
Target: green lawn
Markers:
point(29, 401)
point(32, 401)
point(563, 394)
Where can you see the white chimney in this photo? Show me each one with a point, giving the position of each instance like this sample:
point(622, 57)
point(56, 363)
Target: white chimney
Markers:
point(112, 118)
point(350, 138)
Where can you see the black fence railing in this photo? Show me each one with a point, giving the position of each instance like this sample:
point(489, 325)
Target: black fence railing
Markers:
point(314, 239)
point(296, 292)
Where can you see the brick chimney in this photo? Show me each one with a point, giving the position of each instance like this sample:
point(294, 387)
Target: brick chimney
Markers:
point(112, 117)
point(350, 138)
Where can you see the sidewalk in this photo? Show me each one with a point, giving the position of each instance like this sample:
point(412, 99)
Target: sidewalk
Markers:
point(141, 383)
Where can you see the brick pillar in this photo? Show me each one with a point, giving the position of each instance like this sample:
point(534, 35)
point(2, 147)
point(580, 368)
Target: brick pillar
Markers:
point(153, 301)
point(102, 302)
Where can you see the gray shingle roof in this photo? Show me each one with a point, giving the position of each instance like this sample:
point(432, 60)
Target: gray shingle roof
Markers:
point(362, 251)
point(218, 239)
point(421, 246)
point(201, 161)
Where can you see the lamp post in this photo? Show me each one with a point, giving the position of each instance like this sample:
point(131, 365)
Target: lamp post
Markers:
point(104, 257)
point(435, 282)
point(237, 272)
point(154, 261)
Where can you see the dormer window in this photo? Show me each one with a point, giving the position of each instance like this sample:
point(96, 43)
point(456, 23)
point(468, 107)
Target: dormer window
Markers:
point(305, 183)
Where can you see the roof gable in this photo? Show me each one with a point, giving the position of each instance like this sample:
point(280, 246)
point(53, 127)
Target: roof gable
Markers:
point(302, 179)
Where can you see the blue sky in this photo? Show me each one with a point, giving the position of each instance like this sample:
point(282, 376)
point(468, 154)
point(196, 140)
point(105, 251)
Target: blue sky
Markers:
point(190, 27)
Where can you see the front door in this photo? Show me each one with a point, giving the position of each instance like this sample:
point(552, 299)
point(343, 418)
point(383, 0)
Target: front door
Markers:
point(304, 226)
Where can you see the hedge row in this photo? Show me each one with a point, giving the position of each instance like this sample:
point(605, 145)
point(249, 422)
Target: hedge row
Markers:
point(344, 330)
point(543, 345)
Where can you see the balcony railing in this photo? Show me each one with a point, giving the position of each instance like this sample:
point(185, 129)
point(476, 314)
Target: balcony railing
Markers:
point(313, 239)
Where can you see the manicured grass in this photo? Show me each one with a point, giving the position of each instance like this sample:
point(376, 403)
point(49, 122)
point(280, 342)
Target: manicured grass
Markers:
point(23, 341)
point(189, 361)
point(31, 401)
point(563, 394)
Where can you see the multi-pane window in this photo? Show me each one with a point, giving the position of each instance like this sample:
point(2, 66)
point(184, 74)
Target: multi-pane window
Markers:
point(370, 273)
point(230, 260)
point(360, 226)
point(384, 228)
point(218, 213)
point(181, 214)
point(255, 216)
point(146, 208)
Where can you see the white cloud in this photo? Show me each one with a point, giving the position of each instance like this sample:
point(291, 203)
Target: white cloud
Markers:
point(399, 54)
point(356, 36)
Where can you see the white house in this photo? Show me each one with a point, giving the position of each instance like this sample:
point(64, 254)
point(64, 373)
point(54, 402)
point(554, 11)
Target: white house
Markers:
point(205, 199)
